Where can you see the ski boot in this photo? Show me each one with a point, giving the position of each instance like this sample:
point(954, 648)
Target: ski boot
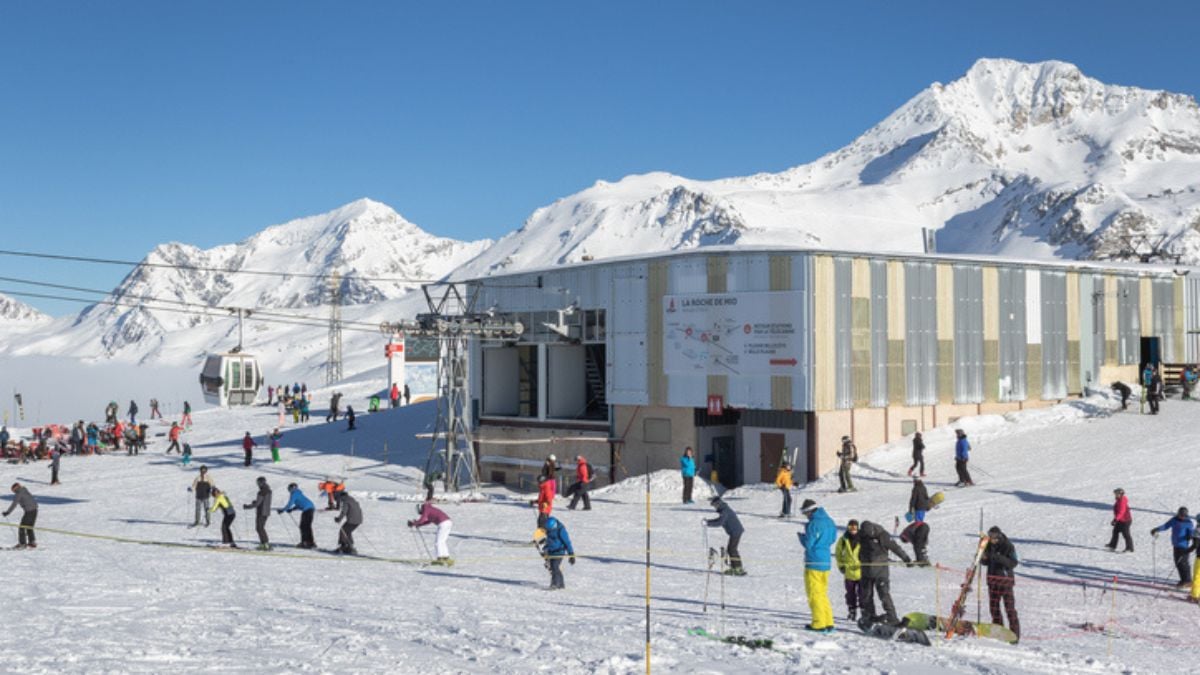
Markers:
point(852, 615)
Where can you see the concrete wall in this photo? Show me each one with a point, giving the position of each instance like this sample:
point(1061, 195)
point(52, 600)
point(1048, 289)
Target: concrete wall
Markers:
point(629, 424)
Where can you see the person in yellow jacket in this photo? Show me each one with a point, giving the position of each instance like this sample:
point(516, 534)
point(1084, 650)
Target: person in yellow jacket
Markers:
point(783, 481)
point(845, 553)
point(221, 501)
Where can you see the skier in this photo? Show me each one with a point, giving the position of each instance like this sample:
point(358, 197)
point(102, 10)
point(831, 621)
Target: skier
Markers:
point(1123, 391)
point(394, 395)
point(1156, 393)
point(917, 534)
point(817, 539)
point(297, 500)
point(77, 436)
point(848, 455)
point(431, 514)
point(687, 469)
point(55, 458)
point(350, 418)
point(579, 489)
point(248, 446)
point(875, 543)
point(202, 489)
point(407, 395)
point(221, 501)
point(133, 411)
point(545, 498)
point(351, 512)
point(187, 454)
point(1000, 558)
point(329, 487)
point(727, 519)
point(281, 409)
point(154, 412)
point(304, 408)
point(262, 511)
point(1122, 520)
point(846, 554)
point(783, 481)
point(1182, 529)
point(275, 436)
point(186, 421)
point(174, 436)
point(918, 501)
point(918, 454)
point(29, 511)
point(555, 544)
point(962, 454)
point(333, 407)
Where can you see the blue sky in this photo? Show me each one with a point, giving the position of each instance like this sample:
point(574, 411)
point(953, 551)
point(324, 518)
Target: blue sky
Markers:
point(127, 124)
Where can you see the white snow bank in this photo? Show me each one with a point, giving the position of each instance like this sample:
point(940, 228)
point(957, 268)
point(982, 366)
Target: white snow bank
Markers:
point(665, 486)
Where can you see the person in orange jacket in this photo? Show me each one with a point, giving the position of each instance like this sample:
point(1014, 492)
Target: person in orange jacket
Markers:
point(583, 480)
point(331, 487)
point(174, 436)
point(547, 488)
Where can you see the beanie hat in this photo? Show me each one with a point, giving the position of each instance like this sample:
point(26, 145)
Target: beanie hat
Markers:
point(994, 531)
point(852, 522)
point(715, 500)
point(808, 506)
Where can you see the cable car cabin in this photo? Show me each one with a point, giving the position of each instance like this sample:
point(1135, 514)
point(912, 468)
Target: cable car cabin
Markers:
point(231, 379)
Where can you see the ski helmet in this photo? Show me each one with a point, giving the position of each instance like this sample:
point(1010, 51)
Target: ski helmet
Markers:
point(292, 486)
point(262, 480)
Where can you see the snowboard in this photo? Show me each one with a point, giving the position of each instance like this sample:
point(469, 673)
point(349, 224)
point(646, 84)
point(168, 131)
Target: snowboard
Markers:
point(922, 621)
point(901, 633)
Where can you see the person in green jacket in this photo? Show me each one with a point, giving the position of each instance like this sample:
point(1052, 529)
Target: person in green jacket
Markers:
point(845, 554)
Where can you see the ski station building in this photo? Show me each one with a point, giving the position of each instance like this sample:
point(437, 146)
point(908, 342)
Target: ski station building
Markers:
point(751, 355)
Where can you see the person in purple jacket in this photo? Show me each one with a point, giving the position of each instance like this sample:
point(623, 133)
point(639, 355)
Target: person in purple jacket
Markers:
point(430, 514)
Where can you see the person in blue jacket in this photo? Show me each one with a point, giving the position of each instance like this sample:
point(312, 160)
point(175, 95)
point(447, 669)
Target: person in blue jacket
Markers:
point(728, 520)
point(1182, 528)
point(297, 500)
point(555, 544)
point(962, 454)
point(687, 468)
point(817, 539)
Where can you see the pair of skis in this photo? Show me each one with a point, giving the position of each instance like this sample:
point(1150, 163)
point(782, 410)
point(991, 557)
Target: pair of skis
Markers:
point(959, 609)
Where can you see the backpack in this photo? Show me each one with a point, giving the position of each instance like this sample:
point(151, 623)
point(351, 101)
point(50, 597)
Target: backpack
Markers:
point(591, 471)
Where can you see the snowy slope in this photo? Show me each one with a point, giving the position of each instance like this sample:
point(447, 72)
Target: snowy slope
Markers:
point(14, 312)
point(1045, 477)
point(1032, 160)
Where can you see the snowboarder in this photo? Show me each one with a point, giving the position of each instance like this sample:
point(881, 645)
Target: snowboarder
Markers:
point(962, 454)
point(133, 411)
point(849, 456)
point(1156, 393)
point(173, 435)
point(394, 395)
point(262, 511)
point(783, 481)
point(918, 454)
point(55, 459)
point(202, 490)
point(1122, 390)
point(351, 512)
point(407, 395)
point(728, 520)
point(350, 418)
point(275, 436)
point(687, 469)
point(297, 500)
point(918, 501)
point(1182, 529)
point(186, 421)
point(555, 544)
point(248, 446)
point(431, 514)
point(579, 489)
point(1121, 522)
point(545, 498)
point(221, 501)
point(817, 539)
point(846, 554)
point(875, 542)
point(1000, 558)
point(29, 511)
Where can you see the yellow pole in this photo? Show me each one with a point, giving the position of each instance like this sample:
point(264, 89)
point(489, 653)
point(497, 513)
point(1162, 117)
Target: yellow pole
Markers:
point(937, 593)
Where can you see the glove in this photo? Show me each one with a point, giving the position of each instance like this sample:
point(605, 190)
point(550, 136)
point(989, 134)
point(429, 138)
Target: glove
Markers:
point(338, 519)
point(1114, 522)
point(410, 523)
point(571, 560)
point(1154, 533)
point(189, 489)
point(842, 570)
point(279, 511)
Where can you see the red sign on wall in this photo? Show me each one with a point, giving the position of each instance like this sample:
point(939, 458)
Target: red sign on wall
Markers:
point(716, 405)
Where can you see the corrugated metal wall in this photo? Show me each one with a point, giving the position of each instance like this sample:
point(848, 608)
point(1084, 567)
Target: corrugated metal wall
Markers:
point(1091, 328)
point(748, 273)
point(626, 345)
point(843, 313)
point(802, 381)
point(1012, 334)
point(879, 333)
point(1129, 323)
point(1163, 311)
point(920, 322)
point(968, 334)
point(1054, 335)
point(1191, 303)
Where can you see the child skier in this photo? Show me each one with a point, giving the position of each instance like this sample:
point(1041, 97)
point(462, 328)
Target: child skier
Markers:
point(846, 554)
point(275, 436)
point(554, 544)
point(783, 481)
point(248, 446)
point(431, 514)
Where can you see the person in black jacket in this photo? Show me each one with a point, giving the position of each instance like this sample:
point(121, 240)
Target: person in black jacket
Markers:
point(1156, 391)
point(918, 501)
point(875, 542)
point(918, 454)
point(1000, 558)
point(29, 508)
point(262, 511)
point(728, 520)
point(1123, 391)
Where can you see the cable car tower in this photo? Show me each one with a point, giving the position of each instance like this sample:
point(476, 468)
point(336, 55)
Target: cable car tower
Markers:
point(453, 320)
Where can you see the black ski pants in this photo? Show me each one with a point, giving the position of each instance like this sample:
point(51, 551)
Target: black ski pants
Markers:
point(173, 446)
point(54, 475)
point(260, 525)
point(1181, 564)
point(870, 587)
point(346, 537)
point(731, 549)
point(25, 535)
point(1153, 405)
point(688, 481)
point(556, 576)
point(853, 589)
point(579, 490)
point(227, 527)
point(1000, 590)
point(787, 501)
point(964, 476)
point(249, 457)
point(306, 532)
point(918, 460)
point(1121, 528)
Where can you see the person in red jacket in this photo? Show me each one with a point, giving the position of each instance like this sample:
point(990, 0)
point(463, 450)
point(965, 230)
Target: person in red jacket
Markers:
point(248, 446)
point(1121, 521)
point(583, 480)
point(174, 436)
point(547, 488)
point(395, 395)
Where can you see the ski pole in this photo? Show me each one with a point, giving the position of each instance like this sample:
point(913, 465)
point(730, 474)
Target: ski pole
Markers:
point(723, 575)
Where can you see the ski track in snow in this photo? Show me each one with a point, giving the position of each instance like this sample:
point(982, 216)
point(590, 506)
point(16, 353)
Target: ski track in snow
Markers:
point(1045, 476)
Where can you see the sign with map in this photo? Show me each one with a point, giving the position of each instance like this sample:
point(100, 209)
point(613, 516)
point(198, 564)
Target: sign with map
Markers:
point(748, 333)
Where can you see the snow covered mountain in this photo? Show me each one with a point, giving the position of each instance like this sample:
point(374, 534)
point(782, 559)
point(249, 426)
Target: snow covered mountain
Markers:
point(378, 254)
point(15, 311)
point(1031, 160)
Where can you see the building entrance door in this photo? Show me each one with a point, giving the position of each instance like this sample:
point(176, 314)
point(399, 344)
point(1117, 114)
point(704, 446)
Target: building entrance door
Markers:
point(770, 448)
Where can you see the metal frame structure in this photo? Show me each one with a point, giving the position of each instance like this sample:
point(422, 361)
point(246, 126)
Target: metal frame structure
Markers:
point(452, 319)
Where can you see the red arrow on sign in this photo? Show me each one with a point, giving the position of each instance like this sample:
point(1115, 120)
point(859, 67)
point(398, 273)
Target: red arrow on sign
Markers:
point(783, 362)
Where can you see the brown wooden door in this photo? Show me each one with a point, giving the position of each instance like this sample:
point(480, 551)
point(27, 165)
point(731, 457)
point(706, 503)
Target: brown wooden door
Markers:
point(770, 448)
